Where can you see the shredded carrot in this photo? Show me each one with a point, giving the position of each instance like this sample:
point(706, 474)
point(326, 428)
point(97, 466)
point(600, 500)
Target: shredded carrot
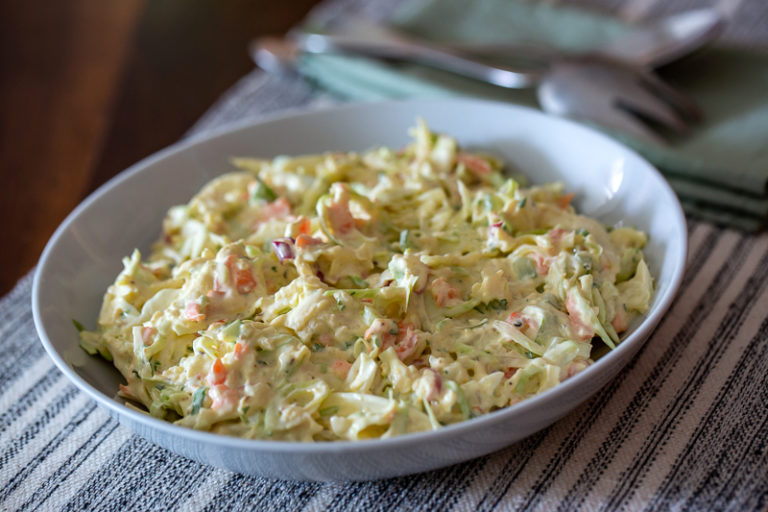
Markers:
point(126, 391)
point(277, 209)
point(192, 312)
point(340, 216)
point(542, 263)
point(341, 368)
point(146, 335)
point(306, 240)
point(217, 289)
point(476, 164)
point(556, 235)
point(241, 273)
point(305, 226)
point(223, 397)
point(443, 292)
point(619, 321)
point(218, 373)
point(565, 200)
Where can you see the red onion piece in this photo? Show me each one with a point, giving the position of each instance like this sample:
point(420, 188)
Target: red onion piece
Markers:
point(283, 248)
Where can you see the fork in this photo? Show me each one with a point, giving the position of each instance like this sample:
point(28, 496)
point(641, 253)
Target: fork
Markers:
point(588, 87)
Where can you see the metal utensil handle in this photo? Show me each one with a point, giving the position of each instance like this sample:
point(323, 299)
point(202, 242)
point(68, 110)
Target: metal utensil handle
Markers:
point(423, 53)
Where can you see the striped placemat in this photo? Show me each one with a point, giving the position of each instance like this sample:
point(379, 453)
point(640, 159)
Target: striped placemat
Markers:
point(683, 427)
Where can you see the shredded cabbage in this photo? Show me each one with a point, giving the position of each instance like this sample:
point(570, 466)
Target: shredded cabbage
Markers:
point(354, 296)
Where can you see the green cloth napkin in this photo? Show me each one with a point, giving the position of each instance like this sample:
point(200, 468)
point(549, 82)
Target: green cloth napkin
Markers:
point(719, 170)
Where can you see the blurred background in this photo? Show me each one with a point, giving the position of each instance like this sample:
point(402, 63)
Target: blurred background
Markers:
point(89, 87)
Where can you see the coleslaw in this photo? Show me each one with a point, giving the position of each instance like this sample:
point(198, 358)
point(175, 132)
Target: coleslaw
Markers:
point(347, 296)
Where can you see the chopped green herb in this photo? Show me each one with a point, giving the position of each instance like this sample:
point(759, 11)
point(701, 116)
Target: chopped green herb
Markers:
point(522, 202)
point(328, 411)
point(262, 363)
point(78, 325)
point(317, 347)
point(262, 191)
point(250, 250)
point(462, 400)
point(363, 293)
point(362, 283)
point(498, 304)
point(136, 374)
point(482, 323)
point(524, 268)
point(197, 399)
point(405, 242)
point(340, 305)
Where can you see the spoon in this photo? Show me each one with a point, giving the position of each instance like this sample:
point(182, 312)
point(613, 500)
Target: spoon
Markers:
point(613, 87)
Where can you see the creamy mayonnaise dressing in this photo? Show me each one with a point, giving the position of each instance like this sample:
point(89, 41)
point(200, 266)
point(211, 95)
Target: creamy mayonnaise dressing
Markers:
point(351, 296)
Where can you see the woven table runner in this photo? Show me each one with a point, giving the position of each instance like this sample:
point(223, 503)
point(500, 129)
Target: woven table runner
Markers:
point(683, 427)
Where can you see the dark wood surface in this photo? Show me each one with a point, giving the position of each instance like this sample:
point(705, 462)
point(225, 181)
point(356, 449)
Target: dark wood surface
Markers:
point(88, 87)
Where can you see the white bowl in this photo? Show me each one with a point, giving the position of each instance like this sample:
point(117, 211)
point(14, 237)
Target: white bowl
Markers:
point(83, 257)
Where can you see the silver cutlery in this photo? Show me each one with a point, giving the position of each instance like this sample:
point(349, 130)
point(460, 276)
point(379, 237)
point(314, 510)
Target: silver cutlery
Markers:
point(614, 87)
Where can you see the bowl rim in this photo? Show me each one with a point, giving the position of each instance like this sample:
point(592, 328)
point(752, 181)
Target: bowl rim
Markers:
point(638, 336)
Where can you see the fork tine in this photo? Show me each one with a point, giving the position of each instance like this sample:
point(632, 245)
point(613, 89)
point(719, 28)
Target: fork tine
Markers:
point(599, 110)
point(625, 123)
point(639, 99)
point(610, 95)
point(679, 100)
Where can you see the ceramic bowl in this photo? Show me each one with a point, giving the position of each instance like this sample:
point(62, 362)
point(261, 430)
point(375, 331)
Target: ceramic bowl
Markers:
point(611, 183)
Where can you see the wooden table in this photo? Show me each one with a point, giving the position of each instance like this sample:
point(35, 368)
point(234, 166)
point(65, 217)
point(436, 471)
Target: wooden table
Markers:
point(88, 87)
